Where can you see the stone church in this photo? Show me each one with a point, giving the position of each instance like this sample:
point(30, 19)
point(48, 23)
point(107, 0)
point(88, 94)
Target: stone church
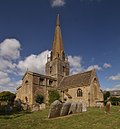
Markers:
point(81, 87)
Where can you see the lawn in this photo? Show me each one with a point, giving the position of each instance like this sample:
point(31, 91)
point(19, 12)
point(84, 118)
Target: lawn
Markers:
point(94, 118)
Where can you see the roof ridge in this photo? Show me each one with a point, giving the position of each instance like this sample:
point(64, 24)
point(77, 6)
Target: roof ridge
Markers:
point(83, 72)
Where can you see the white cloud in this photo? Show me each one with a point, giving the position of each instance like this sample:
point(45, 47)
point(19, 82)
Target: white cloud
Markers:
point(3, 75)
point(9, 52)
point(12, 69)
point(97, 67)
point(106, 65)
point(4, 79)
point(35, 63)
point(116, 87)
point(75, 64)
point(115, 77)
point(10, 49)
point(57, 3)
point(7, 66)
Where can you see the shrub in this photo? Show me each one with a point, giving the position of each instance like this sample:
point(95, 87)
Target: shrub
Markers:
point(114, 100)
point(40, 99)
point(106, 95)
point(53, 95)
point(8, 97)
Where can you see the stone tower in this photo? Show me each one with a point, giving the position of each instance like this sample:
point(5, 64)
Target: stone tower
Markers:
point(57, 64)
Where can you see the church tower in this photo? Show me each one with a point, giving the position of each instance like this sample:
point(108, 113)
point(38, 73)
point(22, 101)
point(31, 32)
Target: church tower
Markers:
point(57, 64)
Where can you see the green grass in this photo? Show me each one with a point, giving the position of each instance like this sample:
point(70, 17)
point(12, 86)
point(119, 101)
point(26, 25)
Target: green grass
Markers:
point(94, 118)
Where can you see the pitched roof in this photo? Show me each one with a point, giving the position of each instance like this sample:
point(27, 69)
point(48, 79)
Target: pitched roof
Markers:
point(80, 79)
point(39, 75)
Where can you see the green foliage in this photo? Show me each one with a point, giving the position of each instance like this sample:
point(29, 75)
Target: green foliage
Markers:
point(114, 100)
point(7, 96)
point(106, 95)
point(53, 95)
point(40, 99)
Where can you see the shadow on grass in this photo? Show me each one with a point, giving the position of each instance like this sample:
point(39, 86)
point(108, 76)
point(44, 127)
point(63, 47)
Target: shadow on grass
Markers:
point(14, 115)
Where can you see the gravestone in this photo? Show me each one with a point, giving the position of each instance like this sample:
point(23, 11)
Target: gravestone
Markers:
point(42, 106)
point(79, 107)
point(73, 108)
point(108, 107)
point(35, 107)
point(84, 107)
point(55, 109)
point(65, 109)
point(25, 106)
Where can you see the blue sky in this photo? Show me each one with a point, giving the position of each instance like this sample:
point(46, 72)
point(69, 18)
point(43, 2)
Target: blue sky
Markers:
point(90, 30)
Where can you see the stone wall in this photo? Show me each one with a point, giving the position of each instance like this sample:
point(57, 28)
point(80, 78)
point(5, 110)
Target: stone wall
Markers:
point(73, 93)
point(25, 92)
point(90, 94)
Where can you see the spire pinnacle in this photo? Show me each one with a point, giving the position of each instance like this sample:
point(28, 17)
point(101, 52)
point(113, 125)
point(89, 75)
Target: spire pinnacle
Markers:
point(57, 48)
point(58, 20)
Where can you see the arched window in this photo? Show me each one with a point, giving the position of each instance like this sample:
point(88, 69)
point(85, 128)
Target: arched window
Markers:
point(79, 93)
point(26, 82)
point(26, 87)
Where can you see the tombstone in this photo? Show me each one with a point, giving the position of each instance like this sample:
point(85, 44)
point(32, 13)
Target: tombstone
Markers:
point(84, 107)
point(79, 107)
point(108, 107)
point(73, 108)
point(35, 108)
point(55, 109)
point(42, 106)
point(25, 106)
point(65, 109)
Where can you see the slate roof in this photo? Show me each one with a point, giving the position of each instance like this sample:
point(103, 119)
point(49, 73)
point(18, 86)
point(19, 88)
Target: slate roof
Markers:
point(80, 79)
point(39, 75)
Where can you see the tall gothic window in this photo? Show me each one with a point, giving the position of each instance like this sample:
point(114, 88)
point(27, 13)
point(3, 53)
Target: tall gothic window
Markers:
point(26, 88)
point(79, 93)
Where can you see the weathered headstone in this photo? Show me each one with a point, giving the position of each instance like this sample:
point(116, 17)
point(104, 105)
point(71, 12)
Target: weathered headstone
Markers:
point(84, 107)
point(108, 107)
point(79, 107)
point(55, 109)
point(65, 109)
point(73, 108)
point(42, 106)
point(35, 108)
point(25, 106)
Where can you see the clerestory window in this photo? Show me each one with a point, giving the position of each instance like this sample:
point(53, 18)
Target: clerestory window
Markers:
point(41, 81)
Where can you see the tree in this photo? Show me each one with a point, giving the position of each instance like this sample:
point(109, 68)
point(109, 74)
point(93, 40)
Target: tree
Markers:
point(114, 100)
point(53, 95)
point(7, 96)
point(106, 95)
point(40, 99)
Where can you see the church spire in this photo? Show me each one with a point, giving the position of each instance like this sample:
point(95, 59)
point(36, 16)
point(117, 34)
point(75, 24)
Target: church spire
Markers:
point(57, 48)
point(58, 20)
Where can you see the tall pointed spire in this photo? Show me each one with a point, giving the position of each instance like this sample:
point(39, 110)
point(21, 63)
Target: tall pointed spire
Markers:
point(57, 48)
point(58, 20)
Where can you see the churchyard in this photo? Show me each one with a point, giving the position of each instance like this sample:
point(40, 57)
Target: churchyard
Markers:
point(94, 118)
